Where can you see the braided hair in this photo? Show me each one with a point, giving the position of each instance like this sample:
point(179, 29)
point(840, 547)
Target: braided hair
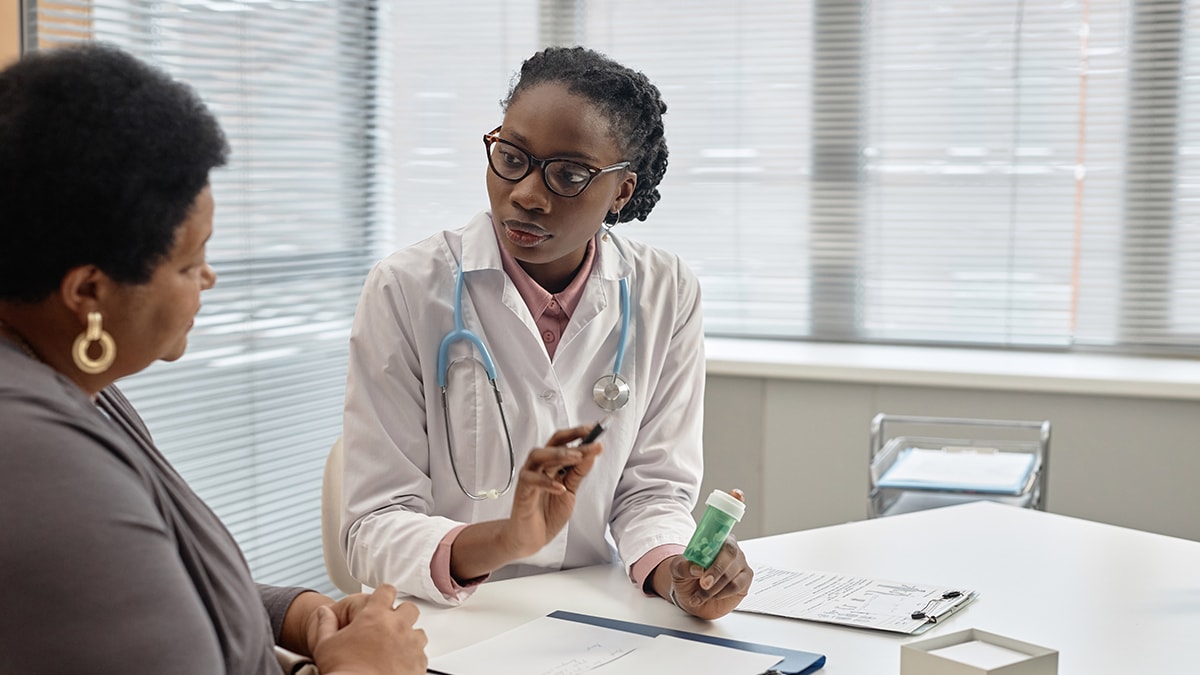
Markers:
point(632, 104)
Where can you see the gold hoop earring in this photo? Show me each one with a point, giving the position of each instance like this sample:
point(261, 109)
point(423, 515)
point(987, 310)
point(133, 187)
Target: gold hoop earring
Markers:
point(108, 348)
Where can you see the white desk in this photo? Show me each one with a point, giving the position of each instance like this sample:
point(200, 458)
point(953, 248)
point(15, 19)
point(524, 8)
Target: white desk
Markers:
point(1109, 599)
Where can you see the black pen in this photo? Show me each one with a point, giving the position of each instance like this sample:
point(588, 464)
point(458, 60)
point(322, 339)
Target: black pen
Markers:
point(594, 433)
point(590, 438)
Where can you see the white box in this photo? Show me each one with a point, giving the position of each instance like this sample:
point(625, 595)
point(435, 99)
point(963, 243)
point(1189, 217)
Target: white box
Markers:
point(976, 652)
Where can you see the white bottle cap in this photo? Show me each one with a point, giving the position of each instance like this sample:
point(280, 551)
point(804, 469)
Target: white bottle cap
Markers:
point(727, 503)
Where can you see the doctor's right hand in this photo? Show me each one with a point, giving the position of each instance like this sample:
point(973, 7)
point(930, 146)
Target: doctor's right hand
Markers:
point(545, 494)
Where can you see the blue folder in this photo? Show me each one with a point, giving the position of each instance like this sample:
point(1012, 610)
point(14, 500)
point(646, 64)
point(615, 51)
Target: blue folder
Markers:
point(794, 662)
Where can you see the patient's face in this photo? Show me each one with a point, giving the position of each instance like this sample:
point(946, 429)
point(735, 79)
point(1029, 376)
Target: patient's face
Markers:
point(151, 321)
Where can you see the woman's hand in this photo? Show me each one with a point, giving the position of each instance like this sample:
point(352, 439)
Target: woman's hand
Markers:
point(714, 592)
point(344, 611)
point(544, 497)
point(543, 501)
point(373, 639)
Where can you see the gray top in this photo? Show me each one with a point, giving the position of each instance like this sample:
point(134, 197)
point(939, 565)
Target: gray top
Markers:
point(109, 563)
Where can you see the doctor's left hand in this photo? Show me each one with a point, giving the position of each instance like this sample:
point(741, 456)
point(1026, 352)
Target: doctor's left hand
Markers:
point(545, 494)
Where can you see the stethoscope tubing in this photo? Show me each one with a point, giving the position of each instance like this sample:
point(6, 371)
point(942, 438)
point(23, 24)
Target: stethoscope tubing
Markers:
point(460, 332)
point(620, 360)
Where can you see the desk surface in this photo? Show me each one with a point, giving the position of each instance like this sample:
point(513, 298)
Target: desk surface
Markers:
point(1109, 599)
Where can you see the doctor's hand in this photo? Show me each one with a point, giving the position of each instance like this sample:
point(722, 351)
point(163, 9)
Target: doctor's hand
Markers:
point(545, 494)
point(709, 593)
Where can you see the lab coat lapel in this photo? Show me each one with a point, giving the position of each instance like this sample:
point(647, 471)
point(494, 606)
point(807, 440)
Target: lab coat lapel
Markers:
point(601, 290)
point(481, 251)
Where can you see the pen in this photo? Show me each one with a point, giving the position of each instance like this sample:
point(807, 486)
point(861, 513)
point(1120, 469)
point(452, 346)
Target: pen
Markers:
point(590, 438)
point(594, 433)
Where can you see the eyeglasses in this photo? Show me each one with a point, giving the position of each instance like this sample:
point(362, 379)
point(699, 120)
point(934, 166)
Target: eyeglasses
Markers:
point(564, 177)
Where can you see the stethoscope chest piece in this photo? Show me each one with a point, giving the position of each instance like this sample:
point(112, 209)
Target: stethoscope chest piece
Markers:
point(611, 392)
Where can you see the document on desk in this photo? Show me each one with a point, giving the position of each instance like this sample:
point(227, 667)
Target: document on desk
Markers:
point(552, 646)
point(666, 654)
point(971, 469)
point(852, 601)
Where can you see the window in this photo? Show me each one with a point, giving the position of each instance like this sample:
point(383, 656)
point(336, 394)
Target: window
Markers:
point(968, 172)
point(250, 412)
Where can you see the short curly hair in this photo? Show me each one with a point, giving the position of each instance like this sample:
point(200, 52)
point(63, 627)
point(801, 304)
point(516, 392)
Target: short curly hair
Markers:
point(632, 104)
point(101, 158)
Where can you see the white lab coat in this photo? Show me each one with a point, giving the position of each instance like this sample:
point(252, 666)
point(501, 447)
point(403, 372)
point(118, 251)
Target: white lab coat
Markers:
point(400, 494)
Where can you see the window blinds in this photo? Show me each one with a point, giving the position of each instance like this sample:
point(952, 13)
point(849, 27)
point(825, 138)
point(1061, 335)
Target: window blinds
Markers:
point(250, 412)
point(999, 173)
point(452, 64)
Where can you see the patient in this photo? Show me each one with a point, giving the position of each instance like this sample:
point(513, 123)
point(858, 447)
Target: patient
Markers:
point(108, 561)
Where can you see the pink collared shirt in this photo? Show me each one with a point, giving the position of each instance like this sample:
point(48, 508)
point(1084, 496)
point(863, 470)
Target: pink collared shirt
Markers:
point(551, 313)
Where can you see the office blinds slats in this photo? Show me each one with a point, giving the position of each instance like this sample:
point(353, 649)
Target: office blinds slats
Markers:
point(980, 172)
point(968, 142)
point(737, 80)
point(249, 413)
point(452, 64)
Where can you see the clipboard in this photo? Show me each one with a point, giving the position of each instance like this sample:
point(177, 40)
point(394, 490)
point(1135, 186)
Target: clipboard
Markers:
point(850, 600)
point(794, 662)
point(937, 609)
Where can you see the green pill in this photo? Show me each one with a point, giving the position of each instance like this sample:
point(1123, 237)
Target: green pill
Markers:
point(724, 510)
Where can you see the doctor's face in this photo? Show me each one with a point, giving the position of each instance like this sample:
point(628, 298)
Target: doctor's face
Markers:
point(547, 232)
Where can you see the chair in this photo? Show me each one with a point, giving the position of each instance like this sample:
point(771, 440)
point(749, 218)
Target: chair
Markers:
point(948, 460)
point(331, 522)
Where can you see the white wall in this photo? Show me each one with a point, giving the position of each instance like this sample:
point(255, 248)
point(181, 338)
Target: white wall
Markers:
point(799, 447)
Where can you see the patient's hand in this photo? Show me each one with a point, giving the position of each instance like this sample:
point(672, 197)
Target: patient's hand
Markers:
point(378, 639)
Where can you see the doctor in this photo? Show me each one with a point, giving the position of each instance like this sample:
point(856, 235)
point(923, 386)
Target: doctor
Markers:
point(479, 355)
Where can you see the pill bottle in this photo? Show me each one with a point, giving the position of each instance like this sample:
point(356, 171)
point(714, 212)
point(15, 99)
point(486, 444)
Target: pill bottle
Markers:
point(724, 510)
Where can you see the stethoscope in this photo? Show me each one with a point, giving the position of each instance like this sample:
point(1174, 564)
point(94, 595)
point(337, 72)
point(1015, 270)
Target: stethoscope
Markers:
point(611, 391)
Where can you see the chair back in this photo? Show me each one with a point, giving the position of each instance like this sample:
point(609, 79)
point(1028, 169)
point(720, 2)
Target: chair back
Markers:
point(331, 523)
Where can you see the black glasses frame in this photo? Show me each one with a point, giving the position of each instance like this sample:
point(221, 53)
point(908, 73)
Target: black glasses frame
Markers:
point(492, 138)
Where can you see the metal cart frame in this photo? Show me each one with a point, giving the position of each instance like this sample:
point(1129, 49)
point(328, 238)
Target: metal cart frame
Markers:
point(969, 433)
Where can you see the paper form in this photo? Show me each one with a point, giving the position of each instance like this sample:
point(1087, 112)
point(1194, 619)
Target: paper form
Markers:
point(848, 600)
point(551, 646)
point(667, 654)
point(999, 472)
point(544, 646)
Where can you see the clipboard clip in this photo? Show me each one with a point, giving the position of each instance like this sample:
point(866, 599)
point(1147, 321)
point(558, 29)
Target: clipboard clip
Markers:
point(927, 612)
